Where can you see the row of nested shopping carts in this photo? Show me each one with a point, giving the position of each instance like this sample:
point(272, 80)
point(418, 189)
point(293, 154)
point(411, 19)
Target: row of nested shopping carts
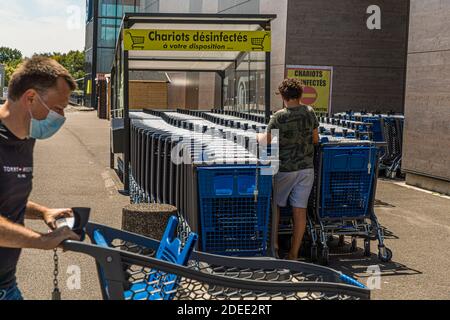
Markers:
point(385, 128)
point(219, 187)
point(346, 166)
point(209, 166)
point(222, 188)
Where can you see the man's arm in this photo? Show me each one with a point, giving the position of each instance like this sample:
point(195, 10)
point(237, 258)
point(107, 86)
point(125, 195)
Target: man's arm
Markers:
point(35, 211)
point(16, 236)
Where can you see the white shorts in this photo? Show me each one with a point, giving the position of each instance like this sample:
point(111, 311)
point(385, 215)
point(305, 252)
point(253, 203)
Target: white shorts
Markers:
point(293, 186)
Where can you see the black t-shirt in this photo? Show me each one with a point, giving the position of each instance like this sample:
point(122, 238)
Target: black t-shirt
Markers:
point(16, 174)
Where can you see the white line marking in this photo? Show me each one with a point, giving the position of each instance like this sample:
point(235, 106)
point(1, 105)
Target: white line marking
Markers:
point(404, 185)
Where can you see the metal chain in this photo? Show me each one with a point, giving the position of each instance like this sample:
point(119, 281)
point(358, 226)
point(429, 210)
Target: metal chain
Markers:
point(56, 295)
point(56, 269)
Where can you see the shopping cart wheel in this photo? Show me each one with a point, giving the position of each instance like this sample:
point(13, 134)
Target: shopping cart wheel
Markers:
point(384, 254)
point(387, 173)
point(341, 242)
point(393, 174)
point(330, 239)
point(367, 248)
point(325, 256)
point(314, 253)
point(354, 246)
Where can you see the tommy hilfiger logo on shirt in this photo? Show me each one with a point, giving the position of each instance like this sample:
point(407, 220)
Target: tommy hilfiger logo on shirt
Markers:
point(21, 171)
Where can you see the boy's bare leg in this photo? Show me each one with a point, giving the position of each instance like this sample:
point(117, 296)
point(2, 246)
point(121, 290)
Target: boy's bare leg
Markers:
point(277, 229)
point(298, 232)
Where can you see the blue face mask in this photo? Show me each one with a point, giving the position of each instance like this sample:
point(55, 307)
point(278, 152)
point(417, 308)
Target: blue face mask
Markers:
point(44, 129)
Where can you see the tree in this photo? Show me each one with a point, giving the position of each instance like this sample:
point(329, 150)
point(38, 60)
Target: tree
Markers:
point(73, 61)
point(11, 66)
point(8, 55)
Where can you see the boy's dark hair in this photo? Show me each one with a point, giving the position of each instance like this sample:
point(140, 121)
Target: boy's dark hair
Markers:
point(291, 89)
point(38, 73)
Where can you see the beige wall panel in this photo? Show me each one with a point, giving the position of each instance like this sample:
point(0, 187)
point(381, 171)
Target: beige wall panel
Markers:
point(145, 94)
point(427, 129)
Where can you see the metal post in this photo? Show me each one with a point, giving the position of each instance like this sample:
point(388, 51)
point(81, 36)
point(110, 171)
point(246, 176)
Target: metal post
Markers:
point(111, 116)
point(222, 93)
point(267, 87)
point(127, 144)
point(249, 82)
point(235, 86)
point(94, 57)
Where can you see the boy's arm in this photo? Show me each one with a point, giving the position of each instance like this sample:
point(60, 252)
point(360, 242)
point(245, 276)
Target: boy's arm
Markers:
point(316, 136)
point(264, 139)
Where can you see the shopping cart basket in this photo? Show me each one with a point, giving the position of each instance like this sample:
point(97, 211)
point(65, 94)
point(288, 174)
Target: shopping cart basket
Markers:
point(129, 269)
point(348, 178)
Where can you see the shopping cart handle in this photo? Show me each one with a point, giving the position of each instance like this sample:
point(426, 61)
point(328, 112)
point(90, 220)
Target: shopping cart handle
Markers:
point(352, 281)
point(77, 246)
point(380, 144)
point(365, 143)
point(77, 223)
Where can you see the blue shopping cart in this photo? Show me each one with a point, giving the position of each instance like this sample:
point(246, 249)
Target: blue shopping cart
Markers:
point(132, 267)
point(346, 188)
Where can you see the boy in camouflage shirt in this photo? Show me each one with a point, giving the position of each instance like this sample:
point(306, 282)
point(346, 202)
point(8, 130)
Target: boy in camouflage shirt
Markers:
point(298, 133)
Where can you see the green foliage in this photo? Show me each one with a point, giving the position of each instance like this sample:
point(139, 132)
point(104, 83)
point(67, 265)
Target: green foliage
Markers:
point(11, 58)
point(8, 55)
point(10, 67)
point(73, 61)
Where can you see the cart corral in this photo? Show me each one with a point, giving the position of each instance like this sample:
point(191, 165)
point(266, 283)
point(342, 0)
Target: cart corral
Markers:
point(222, 187)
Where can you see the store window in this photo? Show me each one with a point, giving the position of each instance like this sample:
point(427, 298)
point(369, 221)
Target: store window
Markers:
point(126, 6)
point(105, 58)
point(108, 8)
point(89, 10)
point(107, 35)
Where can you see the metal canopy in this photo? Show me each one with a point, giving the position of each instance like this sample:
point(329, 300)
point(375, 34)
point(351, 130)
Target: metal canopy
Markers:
point(185, 61)
point(206, 61)
point(192, 18)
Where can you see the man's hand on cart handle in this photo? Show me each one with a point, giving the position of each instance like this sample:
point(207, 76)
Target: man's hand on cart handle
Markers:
point(55, 238)
point(51, 215)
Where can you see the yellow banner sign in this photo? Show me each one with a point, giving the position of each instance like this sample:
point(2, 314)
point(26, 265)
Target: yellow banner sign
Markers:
point(318, 85)
point(197, 40)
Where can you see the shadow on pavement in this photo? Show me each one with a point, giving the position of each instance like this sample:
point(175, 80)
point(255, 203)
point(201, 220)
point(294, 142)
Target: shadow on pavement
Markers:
point(382, 204)
point(357, 265)
point(388, 234)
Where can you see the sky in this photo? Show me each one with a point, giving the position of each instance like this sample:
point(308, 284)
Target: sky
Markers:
point(36, 26)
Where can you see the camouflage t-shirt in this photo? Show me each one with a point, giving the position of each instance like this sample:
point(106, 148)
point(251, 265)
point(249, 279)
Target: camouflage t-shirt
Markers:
point(296, 126)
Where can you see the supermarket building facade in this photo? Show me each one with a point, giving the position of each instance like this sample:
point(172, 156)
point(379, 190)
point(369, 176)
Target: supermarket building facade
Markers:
point(401, 68)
